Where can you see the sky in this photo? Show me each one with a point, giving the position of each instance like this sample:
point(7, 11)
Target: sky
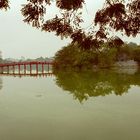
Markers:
point(18, 39)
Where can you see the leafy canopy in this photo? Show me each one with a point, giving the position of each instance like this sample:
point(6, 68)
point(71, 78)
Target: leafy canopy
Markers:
point(116, 14)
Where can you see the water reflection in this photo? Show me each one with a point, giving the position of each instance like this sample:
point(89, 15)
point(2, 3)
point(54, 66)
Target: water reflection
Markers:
point(100, 83)
point(89, 83)
point(20, 75)
point(28, 74)
point(34, 108)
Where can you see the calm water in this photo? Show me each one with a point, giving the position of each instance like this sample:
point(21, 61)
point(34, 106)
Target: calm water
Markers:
point(103, 105)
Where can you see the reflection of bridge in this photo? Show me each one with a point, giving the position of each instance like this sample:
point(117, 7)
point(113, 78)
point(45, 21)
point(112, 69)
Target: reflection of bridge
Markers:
point(6, 67)
point(27, 75)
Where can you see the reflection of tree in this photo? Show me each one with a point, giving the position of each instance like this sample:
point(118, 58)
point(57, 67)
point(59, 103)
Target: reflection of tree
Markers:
point(0, 83)
point(90, 84)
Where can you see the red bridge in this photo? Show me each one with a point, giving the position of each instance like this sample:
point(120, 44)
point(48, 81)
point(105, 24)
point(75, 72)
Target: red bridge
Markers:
point(7, 67)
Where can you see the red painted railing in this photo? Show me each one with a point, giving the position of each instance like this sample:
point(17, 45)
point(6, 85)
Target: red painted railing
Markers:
point(6, 67)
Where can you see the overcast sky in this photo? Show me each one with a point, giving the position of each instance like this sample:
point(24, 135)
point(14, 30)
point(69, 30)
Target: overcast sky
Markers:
point(18, 39)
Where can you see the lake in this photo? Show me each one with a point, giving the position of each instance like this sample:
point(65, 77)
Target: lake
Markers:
point(88, 105)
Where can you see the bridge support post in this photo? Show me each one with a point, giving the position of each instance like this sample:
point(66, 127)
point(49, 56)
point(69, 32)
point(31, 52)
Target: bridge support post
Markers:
point(42, 68)
point(37, 68)
point(7, 69)
point(24, 68)
point(13, 69)
point(19, 68)
point(30, 68)
point(48, 67)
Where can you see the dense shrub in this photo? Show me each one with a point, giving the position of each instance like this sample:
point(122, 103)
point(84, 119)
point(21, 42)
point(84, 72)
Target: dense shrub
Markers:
point(136, 54)
point(124, 53)
point(72, 56)
point(107, 57)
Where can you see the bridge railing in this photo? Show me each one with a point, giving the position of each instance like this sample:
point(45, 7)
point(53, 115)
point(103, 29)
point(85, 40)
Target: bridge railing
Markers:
point(7, 67)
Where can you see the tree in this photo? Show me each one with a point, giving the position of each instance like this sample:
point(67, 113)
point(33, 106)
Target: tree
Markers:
point(4, 4)
point(116, 14)
point(120, 16)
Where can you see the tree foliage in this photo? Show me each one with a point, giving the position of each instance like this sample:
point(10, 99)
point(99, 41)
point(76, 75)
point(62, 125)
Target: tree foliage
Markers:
point(4, 4)
point(115, 14)
point(74, 57)
point(69, 4)
point(120, 16)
